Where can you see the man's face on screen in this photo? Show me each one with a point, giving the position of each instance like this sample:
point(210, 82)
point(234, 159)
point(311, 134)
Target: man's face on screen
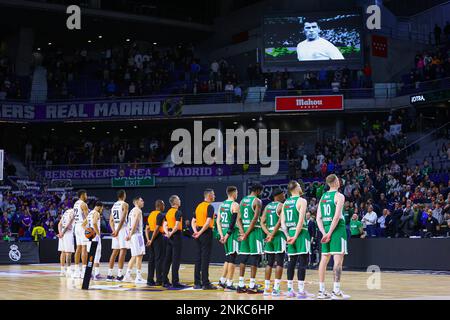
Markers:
point(311, 30)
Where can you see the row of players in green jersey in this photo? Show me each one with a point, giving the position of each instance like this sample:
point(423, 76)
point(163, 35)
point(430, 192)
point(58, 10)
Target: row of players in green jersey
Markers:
point(280, 229)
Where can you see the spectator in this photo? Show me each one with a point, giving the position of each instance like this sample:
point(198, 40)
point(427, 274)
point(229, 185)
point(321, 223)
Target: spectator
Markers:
point(370, 220)
point(356, 227)
point(406, 225)
point(38, 233)
point(381, 231)
point(304, 164)
point(431, 226)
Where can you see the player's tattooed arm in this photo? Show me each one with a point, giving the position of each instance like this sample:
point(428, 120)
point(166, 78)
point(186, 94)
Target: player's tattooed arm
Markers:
point(239, 223)
point(319, 221)
point(111, 223)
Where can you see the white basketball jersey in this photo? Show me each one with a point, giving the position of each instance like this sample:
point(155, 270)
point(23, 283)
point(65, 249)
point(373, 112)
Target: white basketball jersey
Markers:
point(117, 212)
point(90, 219)
point(135, 213)
point(68, 214)
point(78, 212)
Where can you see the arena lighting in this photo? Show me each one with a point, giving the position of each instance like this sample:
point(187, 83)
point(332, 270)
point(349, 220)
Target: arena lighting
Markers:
point(38, 49)
point(53, 129)
point(89, 41)
point(49, 43)
point(135, 127)
point(121, 130)
point(155, 43)
point(253, 119)
point(24, 128)
point(93, 128)
point(235, 123)
point(107, 132)
point(81, 131)
point(100, 37)
point(128, 40)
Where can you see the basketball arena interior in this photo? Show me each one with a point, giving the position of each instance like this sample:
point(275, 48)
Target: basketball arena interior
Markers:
point(185, 114)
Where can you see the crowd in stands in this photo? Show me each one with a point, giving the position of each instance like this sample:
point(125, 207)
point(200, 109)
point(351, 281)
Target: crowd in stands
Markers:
point(336, 79)
point(10, 87)
point(431, 65)
point(92, 151)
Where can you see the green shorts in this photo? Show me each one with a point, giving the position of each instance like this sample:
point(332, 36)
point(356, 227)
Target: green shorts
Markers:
point(232, 244)
point(337, 243)
point(277, 245)
point(302, 245)
point(253, 244)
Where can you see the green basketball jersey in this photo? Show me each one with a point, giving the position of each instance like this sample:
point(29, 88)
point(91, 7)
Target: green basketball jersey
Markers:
point(328, 209)
point(225, 215)
point(291, 214)
point(271, 215)
point(247, 212)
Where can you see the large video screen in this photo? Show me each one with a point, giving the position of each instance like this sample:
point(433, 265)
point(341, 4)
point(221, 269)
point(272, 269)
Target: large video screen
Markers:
point(312, 41)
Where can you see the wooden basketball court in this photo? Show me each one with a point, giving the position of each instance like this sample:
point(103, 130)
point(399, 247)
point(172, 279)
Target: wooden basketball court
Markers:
point(43, 282)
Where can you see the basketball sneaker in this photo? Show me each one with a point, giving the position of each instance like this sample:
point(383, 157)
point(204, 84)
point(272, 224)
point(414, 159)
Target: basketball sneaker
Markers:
point(276, 293)
point(241, 289)
point(76, 275)
point(98, 277)
point(230, 288)
point(304, 295)
point(323, 295)
point(222, 285)
point(110, 278)
point(266, 292)
point(120, 279)
point(139, 280)
point(254, 290)
point(339, 296)
point(128, 278)
point(291, 294)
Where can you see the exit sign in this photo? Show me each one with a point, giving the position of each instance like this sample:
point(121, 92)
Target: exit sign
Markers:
point(127, 182)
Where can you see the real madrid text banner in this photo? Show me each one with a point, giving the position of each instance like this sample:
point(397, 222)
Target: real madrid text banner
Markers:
point(113, 109)
point(19, 253)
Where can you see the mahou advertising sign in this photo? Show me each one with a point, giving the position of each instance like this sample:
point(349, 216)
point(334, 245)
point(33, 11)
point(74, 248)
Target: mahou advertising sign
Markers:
point(309, 103)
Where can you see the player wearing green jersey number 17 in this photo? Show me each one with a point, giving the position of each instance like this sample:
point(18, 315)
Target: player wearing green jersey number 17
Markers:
point(331, 223)
point(250, 239)
point(275, 241)
point(229, 233)
point(293, 221)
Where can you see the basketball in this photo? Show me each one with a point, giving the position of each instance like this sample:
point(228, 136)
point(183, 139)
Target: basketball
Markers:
point(89, 233)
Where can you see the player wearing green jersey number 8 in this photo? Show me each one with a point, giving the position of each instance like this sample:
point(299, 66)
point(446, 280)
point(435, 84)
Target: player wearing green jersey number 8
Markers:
point(293, 221)
point(275, 241)
point(229, 233)
point(331, 223)
point(251, 238)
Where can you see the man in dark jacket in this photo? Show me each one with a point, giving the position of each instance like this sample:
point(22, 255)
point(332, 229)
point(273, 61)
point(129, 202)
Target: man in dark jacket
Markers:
point(407, 221)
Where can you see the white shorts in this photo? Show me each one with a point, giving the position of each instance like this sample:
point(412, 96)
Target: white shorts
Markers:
point(79, 236)
point(67, 241)
point(120, 241)
point(61, 245)
point(98, 252)
point(137, 245)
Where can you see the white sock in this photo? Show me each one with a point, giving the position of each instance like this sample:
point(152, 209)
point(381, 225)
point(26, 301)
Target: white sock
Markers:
point(301, 286)
point(222, 280)
point(63, 269)
point(336, 287)
point(252, 283)
point(322, 286)
point(119, 272)
point(276, 285)
point(241, 282)
point(290, 285)
point(138, 273)
point(110, 272)
point(267, 284)
point(84, 269)
point(77, 268)
point(96, 271)
point(229, 282)
point(129, 271)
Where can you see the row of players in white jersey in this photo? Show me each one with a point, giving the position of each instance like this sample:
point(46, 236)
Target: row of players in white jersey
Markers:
point(126, 232)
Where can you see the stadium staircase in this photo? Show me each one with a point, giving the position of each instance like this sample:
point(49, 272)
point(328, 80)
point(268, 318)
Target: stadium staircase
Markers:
point(39, 85)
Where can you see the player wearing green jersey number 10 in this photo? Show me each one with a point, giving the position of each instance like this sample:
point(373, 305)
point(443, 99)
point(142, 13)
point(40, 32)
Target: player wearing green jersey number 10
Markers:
point(293, 221)
point(275, 241)
point(229, 234)
point(251, 238)
point(331, 223)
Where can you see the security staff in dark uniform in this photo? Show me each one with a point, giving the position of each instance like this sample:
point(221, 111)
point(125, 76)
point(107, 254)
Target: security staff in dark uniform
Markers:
point(173, 231)
point(202, 225)
point(156, 244)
